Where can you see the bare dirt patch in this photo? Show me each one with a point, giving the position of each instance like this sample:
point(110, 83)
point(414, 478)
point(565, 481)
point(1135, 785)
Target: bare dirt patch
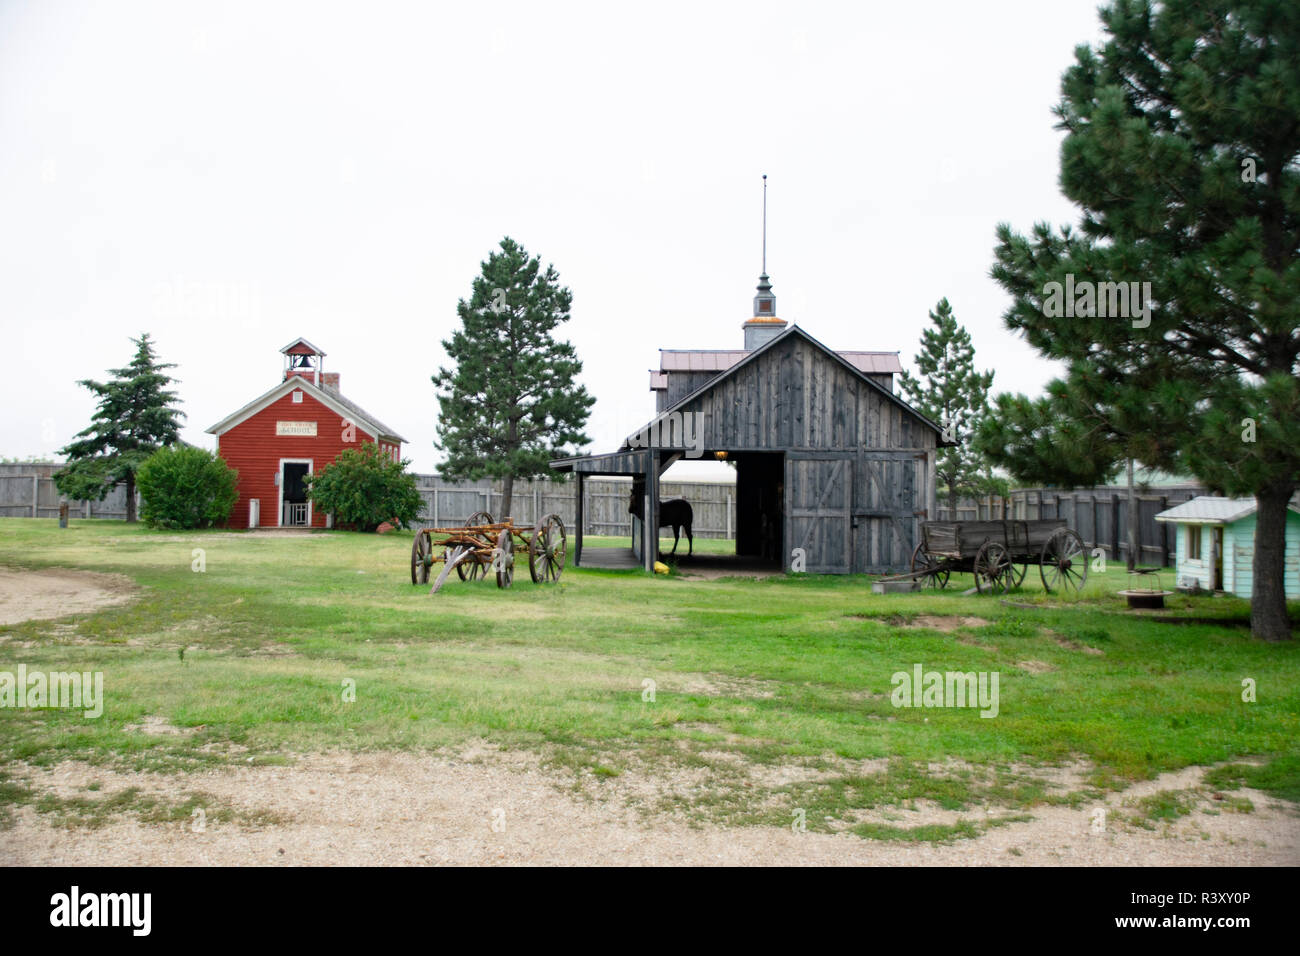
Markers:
point(417, 809)
point(58, 592)
point(1035, 667)
point(722, 685)
point(156, 726)
point(1071, 645)
point(945, 625)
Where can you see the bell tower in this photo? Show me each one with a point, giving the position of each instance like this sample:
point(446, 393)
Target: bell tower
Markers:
point(304, 360)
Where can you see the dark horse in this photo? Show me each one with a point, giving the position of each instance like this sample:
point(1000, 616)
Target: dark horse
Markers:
point(675, 512)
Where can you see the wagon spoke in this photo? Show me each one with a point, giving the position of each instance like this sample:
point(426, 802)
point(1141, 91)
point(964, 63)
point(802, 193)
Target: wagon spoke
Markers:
point(547, 549)
point(505, 558)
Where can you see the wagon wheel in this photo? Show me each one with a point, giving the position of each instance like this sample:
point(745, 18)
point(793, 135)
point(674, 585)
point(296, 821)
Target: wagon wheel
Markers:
point(421, 558)
point(1015, 580)
point(1063, 564)
point(505, 559)
point(547, 550)
point(937, 571)
point(478, 519)
point(993, 568)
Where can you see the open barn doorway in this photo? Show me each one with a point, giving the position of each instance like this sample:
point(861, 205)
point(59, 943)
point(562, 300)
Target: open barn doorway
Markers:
point(760, 507)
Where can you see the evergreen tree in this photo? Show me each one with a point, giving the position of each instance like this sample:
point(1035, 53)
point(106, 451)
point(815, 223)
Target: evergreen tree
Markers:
point(953, 395)
point(134, 419)
point(1182, 139)
point(512, 402)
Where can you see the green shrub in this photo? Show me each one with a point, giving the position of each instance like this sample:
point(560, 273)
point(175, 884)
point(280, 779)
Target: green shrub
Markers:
point(186, 487)
point(364, 487)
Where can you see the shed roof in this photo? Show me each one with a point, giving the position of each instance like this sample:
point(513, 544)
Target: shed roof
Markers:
point(1207, 509)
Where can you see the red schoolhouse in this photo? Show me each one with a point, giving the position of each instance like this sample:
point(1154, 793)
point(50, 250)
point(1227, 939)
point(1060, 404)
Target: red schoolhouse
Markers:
point(292, 431)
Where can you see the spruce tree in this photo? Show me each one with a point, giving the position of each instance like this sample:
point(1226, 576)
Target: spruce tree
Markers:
point(954, 395)
point(1181, 147)
point(134, 419)
point(511, 403)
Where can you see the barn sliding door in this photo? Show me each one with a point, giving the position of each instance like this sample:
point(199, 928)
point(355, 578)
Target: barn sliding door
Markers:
point(884, 511)
point(818, 499)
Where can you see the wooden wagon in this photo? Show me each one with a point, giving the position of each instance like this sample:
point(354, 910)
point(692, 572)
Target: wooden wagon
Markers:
point(999, 553)
point(482, 546)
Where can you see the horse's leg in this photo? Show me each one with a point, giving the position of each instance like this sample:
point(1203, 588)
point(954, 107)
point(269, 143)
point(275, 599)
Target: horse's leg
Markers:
point(675, 529)
point(691, 538)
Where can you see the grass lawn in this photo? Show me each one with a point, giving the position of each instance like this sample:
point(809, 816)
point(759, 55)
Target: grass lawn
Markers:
point(253, 652)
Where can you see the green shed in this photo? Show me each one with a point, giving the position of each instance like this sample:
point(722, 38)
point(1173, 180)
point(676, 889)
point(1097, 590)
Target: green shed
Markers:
point(1215, 545)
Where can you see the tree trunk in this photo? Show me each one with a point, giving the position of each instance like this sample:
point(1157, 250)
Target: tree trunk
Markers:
point(130, 496)
point(507, 493)
point(1131, 519)
point(1268, 615)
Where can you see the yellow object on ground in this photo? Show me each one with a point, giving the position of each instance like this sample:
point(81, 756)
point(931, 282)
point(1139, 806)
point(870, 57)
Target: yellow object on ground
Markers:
point(661, 568)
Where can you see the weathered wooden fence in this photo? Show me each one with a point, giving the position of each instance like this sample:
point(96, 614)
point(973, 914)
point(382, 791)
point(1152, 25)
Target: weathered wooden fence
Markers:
point(1100, 515)
point(605, 510)
point(28, 491)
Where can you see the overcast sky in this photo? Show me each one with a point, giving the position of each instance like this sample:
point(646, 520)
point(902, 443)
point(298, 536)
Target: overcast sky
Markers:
point(229, 176)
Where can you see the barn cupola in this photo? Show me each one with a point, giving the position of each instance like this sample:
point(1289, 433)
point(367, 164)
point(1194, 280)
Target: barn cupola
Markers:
point(764, 325)
point(304, 360)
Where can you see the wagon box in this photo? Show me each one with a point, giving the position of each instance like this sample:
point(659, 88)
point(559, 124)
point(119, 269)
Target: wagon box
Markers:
point(991, 550)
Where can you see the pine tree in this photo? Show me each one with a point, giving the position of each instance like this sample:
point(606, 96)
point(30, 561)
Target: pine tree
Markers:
point(512, 403)
point(954, 395)
point(1182, 140)
point(134, 419)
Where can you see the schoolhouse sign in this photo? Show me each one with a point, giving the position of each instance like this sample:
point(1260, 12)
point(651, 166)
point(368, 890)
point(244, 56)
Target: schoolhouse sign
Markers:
point(295, 428)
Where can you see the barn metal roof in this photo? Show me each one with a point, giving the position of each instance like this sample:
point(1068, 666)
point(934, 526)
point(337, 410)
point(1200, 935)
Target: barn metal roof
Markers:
point(703, 360)
point(1207, 509)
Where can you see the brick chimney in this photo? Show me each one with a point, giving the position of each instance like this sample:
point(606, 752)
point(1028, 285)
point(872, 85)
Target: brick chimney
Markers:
point(329, 380)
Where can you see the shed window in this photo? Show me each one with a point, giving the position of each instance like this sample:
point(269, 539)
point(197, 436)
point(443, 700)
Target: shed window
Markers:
point(1193, 542)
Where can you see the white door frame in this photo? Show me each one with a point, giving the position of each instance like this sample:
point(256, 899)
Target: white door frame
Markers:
point(279, 513)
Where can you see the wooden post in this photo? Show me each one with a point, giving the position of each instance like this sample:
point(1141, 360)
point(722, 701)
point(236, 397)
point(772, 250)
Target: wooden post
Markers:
point(650, 528)
point(36, 493)
point(577, 549)
point(435, 506)
point(1164, 533)
point(1114, 523)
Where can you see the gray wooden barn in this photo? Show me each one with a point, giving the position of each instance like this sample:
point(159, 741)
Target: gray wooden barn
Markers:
point(828, 459)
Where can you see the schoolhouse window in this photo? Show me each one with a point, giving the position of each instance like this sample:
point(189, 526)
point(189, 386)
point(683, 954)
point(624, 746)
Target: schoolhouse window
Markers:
point(1194, 542)
point(297, 398)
